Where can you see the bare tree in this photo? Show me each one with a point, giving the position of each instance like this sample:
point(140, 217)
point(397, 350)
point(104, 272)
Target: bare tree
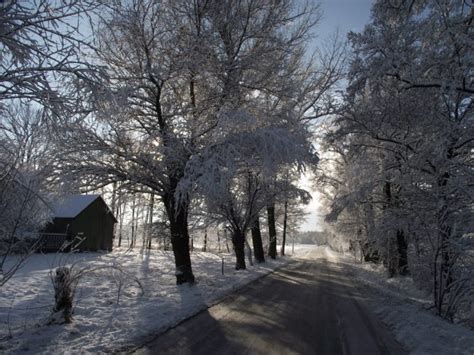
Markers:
point(43, 75)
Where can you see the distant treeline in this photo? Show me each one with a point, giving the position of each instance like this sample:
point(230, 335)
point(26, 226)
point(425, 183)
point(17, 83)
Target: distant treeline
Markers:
point(312, 237)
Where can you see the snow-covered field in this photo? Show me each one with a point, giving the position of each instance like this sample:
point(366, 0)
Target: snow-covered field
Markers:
point(405, 310)
point(105, 319)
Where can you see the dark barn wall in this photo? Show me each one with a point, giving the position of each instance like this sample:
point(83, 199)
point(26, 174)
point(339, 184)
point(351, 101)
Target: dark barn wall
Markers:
point(58, 225)
point(96, 224)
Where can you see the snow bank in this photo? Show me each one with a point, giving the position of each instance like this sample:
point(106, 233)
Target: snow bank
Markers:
point(405, 310)
point(105, 319)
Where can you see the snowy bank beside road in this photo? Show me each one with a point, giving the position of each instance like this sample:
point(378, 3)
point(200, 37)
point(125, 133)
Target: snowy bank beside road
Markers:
point(102, 324)
point(404, 309)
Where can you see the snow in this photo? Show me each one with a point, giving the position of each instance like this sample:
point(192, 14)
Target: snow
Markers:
point(102, 324)
point(71, 206)
point(406, 310)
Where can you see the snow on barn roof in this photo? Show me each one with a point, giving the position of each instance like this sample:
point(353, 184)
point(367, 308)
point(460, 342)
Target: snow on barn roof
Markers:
point(71, 206)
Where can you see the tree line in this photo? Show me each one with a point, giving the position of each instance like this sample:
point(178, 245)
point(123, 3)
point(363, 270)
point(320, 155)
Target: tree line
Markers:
point(204, 105)
point(398, 175)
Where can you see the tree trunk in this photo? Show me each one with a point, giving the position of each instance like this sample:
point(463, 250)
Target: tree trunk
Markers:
point(249, 250)
point(114, 198)
point(391, 256)
point(121, 208)
point(178, 218)
point(285, 218)
point(257, 242)
point(398, 252)
point(272, 248)
point(238, 240)
point(402, 246)
point(387, 253)
point(204, 247)
point(138, 219)
point(150, 221)
point(132, 242)
point(442, 263)
point(226, 241)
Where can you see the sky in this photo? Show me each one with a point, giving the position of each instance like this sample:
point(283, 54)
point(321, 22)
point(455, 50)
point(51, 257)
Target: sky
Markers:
point(340, 16)
point(343, 15)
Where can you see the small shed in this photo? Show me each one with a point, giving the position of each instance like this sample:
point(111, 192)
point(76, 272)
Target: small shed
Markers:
point(85, 216)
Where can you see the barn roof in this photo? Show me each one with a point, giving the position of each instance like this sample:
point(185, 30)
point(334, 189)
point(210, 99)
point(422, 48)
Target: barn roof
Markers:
point(71, 206)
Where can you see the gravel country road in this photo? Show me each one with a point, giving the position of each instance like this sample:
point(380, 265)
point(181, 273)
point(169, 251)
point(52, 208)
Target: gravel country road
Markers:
point(309, 307)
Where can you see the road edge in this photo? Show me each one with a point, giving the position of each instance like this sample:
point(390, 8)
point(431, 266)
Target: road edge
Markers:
point(147, 339)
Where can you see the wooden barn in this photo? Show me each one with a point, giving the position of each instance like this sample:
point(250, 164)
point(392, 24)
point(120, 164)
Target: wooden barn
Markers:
point(85, 216)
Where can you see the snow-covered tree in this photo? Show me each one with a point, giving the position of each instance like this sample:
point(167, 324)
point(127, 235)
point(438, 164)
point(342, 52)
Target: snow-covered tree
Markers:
point(42, 46)
point(184, 76)
point(405, 139)
point(43, 75)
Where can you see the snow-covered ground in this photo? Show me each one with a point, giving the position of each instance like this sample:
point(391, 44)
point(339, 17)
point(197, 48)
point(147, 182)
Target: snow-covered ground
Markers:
point(405, 310)
point(105, 319)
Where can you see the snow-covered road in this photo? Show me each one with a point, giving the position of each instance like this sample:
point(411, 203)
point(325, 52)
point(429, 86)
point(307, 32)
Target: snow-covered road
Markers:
point(309, 307)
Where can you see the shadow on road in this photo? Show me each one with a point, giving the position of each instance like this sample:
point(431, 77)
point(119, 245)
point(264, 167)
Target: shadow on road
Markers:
point(311, 307)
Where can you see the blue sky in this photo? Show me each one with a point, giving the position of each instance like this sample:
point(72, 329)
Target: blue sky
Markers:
point(345, 15)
